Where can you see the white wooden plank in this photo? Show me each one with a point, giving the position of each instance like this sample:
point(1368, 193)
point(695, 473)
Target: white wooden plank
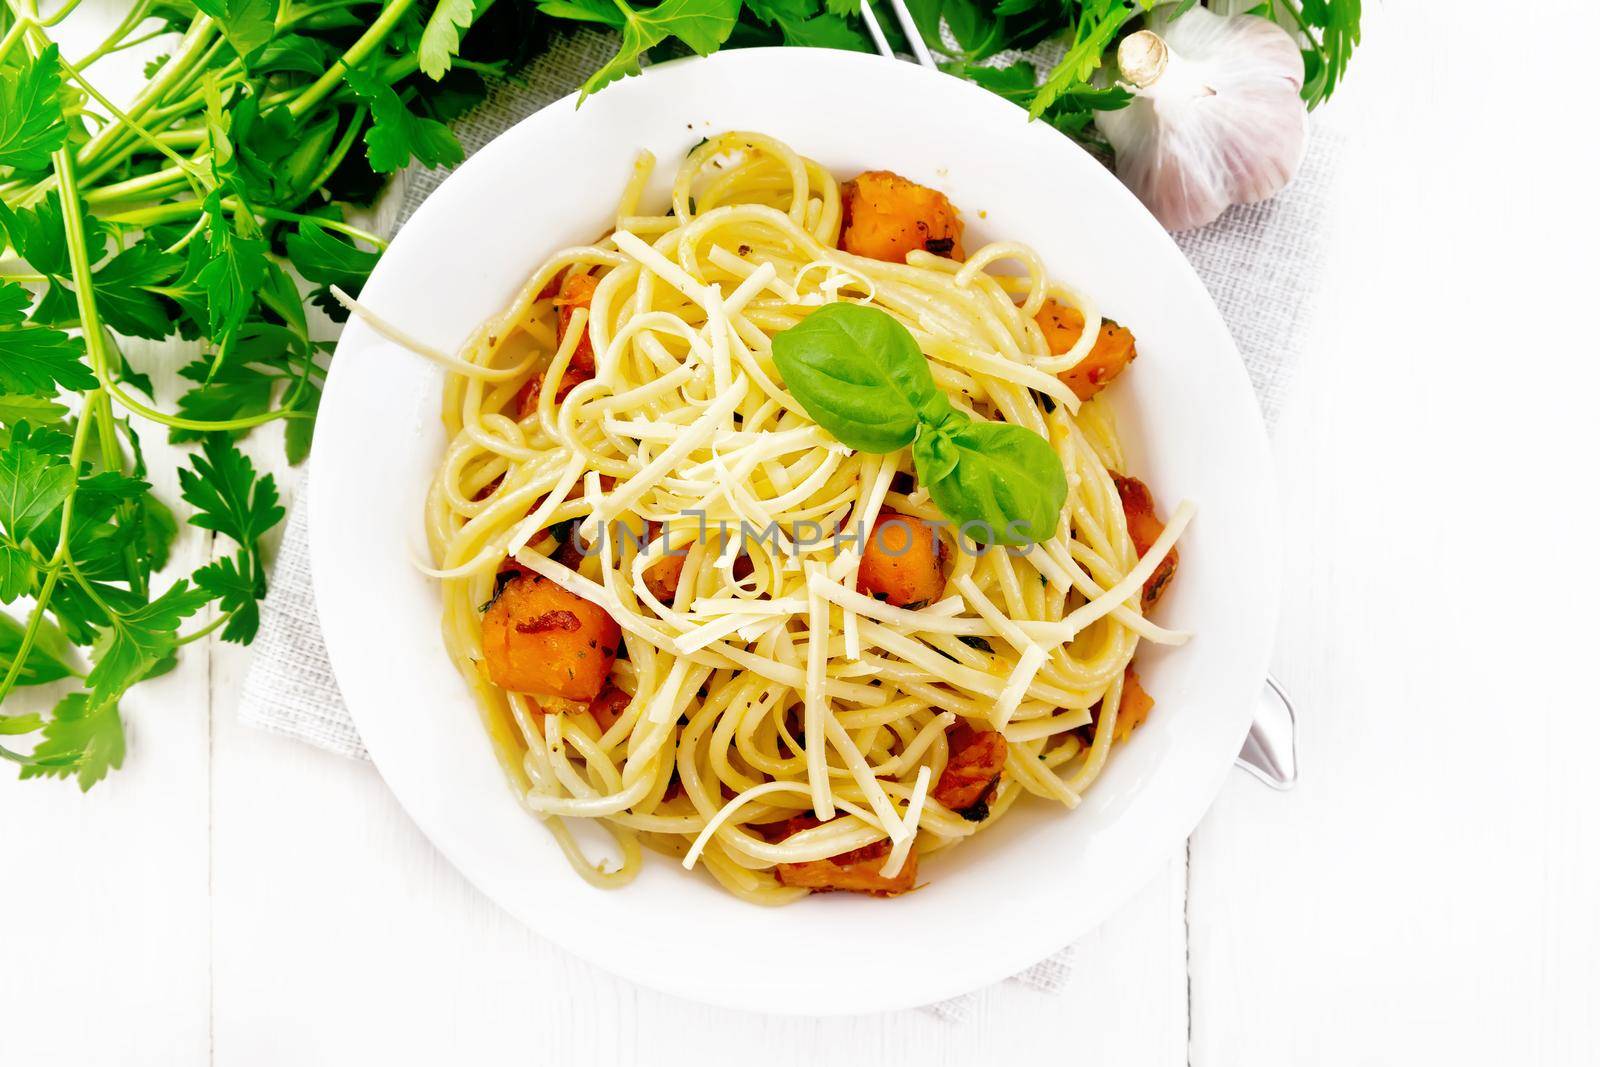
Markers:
point(1427, 893)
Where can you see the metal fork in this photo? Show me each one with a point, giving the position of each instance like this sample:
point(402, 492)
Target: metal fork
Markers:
point(1269, 751)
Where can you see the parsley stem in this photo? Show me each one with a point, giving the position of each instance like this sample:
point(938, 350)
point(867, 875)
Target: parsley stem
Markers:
point(150, 186)
point(52, 574)
point(193, 97)
point(89, 316)
point(72, 224)
point(89, 590)
point(189, 170)
point(391, 14)
point(345, 228)
point(178, 422)
point(151, 216)
point(181, 243)
point(295, 17)
point(13, 35)
point(175, 73)
point(58, 559)
point(208, 628)
point(1294, 12)
point(133, 42)
point(182, 138)
point(112, 458)
point(62, 12)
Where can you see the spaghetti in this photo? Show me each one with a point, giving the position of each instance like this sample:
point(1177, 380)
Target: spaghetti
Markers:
point(628, 476)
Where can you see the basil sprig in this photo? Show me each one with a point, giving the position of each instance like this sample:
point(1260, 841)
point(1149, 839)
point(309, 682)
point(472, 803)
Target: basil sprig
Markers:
point(860, 375)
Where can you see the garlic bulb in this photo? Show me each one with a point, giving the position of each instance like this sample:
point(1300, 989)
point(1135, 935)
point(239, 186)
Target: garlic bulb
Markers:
point(1216, 117)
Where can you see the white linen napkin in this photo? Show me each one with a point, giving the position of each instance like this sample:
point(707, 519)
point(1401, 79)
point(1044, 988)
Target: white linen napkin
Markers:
point(1261, 264)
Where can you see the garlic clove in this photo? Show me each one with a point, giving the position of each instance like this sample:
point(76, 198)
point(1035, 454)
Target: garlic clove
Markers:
point(1216, 117)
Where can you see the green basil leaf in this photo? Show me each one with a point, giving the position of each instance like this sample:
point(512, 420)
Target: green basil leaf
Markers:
point(934, 453)
point(999, 483)
point(859, 374)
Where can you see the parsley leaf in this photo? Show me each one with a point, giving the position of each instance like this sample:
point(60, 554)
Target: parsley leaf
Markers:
point(1334, 29)
point(227, 495)
point(978, 31)
point(237, 267)
point(32, 484)
point(233, 391)
point(100, 536)
point(82, 740)
point(604, 12)
point(294, 52)
point(297, 433)
point(17, 575)
point(40, 667)
point(14, 301)
point(36, 410)
point(237, 584)
point(140, 640)
point(1097, 25)
point(31, 126)
point(325, 259)
point(702, 25)
point(35, 360)
point(121, 290)
point(247, 24)
point(397, 135)
point(39, 235)
point(232, 500)
point(441, 38)
point(802, 25)
point(81, 616)
point(1014, 81)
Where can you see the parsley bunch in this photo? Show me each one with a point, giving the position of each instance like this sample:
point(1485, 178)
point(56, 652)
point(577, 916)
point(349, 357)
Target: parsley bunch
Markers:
point(972, 35)
point(211, 207)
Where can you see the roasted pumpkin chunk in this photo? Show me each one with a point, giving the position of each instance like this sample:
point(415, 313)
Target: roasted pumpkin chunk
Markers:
point(608, 707)
point(662, 577)
point(1131, 713)
point(1135, 707)
point(1113, 349)
point(976, 759)
point(902, 562)
point(540, 639)
point(1144, 527)
point(577, 291)
point(856, 871)
point(886, 216)
point(527, 398)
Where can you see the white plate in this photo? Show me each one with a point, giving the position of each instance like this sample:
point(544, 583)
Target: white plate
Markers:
point(1015, 894)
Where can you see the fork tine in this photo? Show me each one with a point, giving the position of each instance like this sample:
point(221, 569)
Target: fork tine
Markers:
point(919, 48)
point(878, 39)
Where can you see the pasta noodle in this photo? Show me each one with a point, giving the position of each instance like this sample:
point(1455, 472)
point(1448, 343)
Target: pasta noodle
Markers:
point(589, 437)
